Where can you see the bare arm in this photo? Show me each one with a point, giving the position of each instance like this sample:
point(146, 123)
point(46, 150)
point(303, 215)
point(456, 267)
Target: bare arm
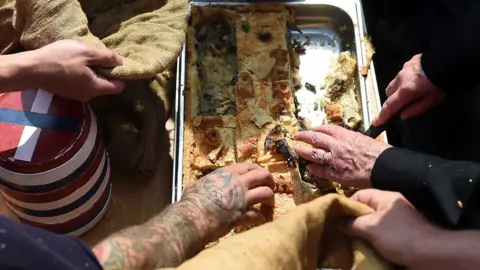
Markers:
point(16, 71)
point(401, 235)
point(63, 68)
point(168, 239)
point(448, 250)
point(207, 211)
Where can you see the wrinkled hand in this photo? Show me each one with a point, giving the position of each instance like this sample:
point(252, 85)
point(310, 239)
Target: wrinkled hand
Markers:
point(225, 195)
point(395, 230)
point(63, 68)
point(340, 155)
point(411, 91)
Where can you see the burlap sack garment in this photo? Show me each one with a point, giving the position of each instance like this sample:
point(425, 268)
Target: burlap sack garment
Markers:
point(149, 35)
point(295, 242)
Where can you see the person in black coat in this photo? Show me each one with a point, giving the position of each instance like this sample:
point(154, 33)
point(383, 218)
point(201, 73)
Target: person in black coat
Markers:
point(434, 92)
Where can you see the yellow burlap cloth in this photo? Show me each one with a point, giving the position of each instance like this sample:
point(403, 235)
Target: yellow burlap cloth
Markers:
point(306, 238)
point(148, 34)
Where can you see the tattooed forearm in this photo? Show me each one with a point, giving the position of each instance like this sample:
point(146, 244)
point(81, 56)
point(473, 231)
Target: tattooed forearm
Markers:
point(164, 241)
point(206, 212)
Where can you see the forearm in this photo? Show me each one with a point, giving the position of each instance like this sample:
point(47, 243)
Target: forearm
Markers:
point(447, 250)
point(16, 71)
point(451, 62)
point(175, 235)
point(445, 191)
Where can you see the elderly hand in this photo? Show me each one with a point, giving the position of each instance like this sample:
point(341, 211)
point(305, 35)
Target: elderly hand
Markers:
point(225, 195)
point(396, 230)
point(340, 155)
point(63, 68)
point(411, 91)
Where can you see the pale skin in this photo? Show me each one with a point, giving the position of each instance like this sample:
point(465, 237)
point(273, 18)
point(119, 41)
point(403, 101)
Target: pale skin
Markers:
point(411, 92)
point(63, 68)
point(207, 211)
point(401, 235)
point(348, 157)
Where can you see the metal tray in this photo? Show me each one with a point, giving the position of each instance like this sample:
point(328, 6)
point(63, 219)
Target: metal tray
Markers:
point(333, 26)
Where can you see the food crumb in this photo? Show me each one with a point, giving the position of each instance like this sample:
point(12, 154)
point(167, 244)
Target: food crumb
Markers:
point(460, 204)
point(364, 71)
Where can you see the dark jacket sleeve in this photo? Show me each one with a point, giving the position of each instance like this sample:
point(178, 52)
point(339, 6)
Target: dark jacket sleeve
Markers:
point(452, 61)
point(446, 192)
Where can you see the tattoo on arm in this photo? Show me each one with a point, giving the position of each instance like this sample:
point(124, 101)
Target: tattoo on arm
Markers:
point(181, 230)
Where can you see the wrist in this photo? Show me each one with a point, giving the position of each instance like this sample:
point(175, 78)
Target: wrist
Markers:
point(17, 71)
point(443, 249)
point(425, 249)
point(198, 219)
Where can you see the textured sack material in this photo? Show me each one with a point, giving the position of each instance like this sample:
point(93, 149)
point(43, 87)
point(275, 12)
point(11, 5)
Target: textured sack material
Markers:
point(148, 34)
point(296, 241)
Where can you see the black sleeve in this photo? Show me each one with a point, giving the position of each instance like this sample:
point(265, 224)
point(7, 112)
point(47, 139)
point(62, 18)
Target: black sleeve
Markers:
point(446, 192)
point(25, 247)
point(451, 63)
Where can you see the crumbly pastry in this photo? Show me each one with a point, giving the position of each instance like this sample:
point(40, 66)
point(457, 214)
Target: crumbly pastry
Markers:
point(239, 98)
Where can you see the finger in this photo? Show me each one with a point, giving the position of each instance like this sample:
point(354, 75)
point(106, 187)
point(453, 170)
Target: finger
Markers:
point(331, 130)
point(361, 227)
point(253, 216)
point(419, 107)
point(323, 172)
point(392, 87)
point(103, 58)
point(260, 195)
point(376, 199)
point(258, 177)
point(104, 86)
point(316, 155)
point(391, 106)
point(317, 139)
point(241, 168)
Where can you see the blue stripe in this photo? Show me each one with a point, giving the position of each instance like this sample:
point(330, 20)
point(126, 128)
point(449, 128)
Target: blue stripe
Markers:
point(69, 207)
point(39, 120)
point(57, 184)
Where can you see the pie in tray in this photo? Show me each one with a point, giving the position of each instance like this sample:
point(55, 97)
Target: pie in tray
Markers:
point(240, 100)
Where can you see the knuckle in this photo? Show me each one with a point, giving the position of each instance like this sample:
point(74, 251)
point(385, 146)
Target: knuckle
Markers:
point(314, 138)
point(314, 154)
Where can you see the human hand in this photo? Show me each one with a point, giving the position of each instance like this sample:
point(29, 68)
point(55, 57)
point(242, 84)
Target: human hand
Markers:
point(340, 155)
point(396, 230)
point(411, 91)
point(63, 68)
point(225, 195)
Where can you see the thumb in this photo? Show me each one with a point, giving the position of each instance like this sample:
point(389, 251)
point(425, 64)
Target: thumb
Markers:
point(356, 227)
point(103, 58)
